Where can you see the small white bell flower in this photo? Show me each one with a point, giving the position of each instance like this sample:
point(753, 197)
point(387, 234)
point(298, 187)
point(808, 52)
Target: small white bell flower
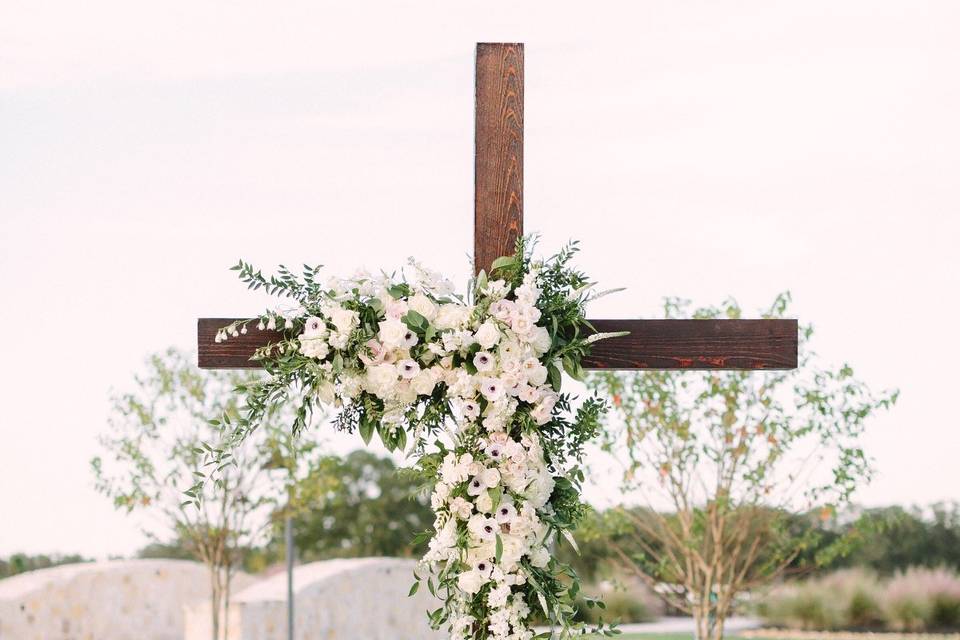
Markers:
point(288, 324)
point(243, 329)
point(272, 323)
point(260, 325)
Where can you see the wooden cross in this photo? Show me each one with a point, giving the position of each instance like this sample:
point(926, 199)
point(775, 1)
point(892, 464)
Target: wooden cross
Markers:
point(498, 221)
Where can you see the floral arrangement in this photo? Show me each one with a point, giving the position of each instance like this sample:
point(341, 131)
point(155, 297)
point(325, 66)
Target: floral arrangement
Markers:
point(471, 386)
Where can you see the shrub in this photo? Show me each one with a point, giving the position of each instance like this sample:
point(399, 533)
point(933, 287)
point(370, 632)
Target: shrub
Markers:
point(916, 600)
point(923, 599)
point(628, 603)
point(841, 600)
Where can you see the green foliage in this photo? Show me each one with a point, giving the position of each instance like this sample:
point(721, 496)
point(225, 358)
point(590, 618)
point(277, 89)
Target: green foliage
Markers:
point(734, 453)
point(359, 505)
point(21, 562)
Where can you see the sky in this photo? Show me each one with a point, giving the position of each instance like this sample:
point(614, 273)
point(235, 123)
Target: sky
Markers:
point(696, 149)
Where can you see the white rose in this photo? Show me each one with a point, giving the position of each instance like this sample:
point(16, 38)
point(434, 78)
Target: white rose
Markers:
point(461, 508)
point(490, 477)
point(471, 581)
point(487, 335)
point(484, 502)
point(381, 379)
point(451, 316)
point(392, 333)
point(521, 325)
point(344, 319)
point(314, 347)
point(540, 557)
point(535, 372)
point(425, 382)
point(424, 306)
point(540, 340)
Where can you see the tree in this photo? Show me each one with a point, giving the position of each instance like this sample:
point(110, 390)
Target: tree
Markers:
point(158, 436)
point(359, 505)
point(721, 460)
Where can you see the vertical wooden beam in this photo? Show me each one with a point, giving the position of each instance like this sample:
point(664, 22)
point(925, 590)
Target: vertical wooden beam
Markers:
point(498, 196)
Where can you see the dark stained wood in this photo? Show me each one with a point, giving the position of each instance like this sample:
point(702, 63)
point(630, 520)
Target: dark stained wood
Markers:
point(498, 164)
point(652, 344)
point(696, 344)
point(234, 353)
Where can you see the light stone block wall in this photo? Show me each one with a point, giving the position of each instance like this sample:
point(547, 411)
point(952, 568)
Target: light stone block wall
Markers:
point(355, 599)
point(116, 600)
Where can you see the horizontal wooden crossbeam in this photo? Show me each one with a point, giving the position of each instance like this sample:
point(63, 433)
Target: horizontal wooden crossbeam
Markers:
point(652, 344)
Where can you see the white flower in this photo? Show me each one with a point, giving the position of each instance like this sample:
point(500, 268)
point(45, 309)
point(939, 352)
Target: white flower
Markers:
point(408, 369)
point(542, 412)
point(392, 333)
point(339, 340)
point(495, 451)
point(489, 477)
point(540, 557)
point(538, 492)
point(452, 316)
point(344, 319)
point(440, 494)
point(394, 309)
point(471, 581)
point(483, 527)
point(424, 306)
point(491, 388)
point(487, 335)
point(461, 508)
point(498, 596)
point(381, 379)
point(314, 328)
point(484, 502)
point(521, 325)
point(314, 347)
point(535, 372)
point(425, 382)
point(496, 289)
point(470, 409)
point(484, 361)
point(529, 394)
point(506, 512)
point(453, 469)
point(476, 486)
point(502, 310)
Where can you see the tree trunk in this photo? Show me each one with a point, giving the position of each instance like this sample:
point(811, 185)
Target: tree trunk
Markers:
point(215, 596)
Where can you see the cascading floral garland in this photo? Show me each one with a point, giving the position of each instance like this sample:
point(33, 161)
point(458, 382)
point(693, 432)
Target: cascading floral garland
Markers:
point(472, 388)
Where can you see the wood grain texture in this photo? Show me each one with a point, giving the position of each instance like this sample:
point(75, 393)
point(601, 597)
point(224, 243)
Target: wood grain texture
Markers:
point(652, 344)
point(498, 163)
point(696, 344)
point(234, 353)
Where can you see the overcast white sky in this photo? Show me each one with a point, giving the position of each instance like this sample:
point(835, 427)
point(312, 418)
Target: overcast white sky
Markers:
point(701, 149)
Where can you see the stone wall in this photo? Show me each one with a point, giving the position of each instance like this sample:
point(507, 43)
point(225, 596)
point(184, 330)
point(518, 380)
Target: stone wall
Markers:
point(355, 599)
point(117, 600)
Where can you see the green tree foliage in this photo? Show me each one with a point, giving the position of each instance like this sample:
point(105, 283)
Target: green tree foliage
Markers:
point(21, 562)
point(359, 505)
point(722, 459)
point(160, 433)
